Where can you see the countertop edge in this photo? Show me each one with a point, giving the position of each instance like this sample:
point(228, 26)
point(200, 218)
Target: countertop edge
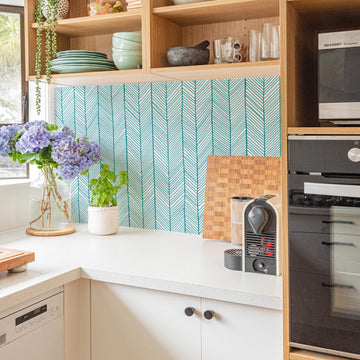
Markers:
point(215, 293)
point(59, 278)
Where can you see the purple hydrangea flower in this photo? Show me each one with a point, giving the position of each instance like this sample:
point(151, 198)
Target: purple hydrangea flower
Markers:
point(71, 155)
point(61, 134)
point(33, 140)
point(68, 171)
point(67, 151)
point(29, 125)
point(7, 133)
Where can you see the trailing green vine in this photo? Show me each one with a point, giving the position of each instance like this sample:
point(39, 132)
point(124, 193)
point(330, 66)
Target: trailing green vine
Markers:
point(49, 8)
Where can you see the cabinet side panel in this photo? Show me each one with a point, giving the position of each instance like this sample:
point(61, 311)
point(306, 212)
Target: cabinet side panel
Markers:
point(77, 320)
point(164, 35)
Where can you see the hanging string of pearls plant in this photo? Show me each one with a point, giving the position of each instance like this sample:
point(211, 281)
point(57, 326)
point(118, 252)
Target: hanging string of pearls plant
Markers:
point(51, 11)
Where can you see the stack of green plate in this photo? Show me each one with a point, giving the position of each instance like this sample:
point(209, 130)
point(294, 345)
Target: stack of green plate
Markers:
point(77, 61)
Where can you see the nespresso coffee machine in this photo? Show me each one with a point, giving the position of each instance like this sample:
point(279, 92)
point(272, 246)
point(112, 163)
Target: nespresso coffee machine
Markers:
point(261, 239)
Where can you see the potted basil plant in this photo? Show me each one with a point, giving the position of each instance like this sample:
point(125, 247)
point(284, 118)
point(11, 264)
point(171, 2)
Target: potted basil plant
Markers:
point(103, 212)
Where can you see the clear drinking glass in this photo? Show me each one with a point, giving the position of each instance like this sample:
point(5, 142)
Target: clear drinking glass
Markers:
point(223, 51)
point(254, 45)
point(275, 42)
point(266, 42)
point(238, 204)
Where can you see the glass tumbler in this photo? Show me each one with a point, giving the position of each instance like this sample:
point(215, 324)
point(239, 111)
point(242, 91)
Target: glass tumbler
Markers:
point(266, 42)
point(254, 45)
point(275, 42)
point(238, 204)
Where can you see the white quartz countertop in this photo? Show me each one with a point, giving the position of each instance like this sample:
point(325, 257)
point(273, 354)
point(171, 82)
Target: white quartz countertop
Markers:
point(179, 263)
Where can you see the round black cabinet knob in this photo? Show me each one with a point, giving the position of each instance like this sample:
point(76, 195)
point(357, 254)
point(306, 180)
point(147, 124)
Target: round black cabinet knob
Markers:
point(208, 314)
point(189, 311)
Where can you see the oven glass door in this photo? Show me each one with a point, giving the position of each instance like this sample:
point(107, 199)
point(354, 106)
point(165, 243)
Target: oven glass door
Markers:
point(324, 236)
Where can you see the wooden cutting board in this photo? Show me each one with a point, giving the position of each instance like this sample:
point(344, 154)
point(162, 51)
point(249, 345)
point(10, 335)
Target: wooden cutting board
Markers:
point(10, 258)
point(229, 176)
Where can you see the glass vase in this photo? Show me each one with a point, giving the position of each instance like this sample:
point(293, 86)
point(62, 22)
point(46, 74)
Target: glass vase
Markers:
point(49, 202)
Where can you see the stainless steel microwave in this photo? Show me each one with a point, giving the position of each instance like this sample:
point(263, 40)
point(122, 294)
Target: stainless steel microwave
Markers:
point(339, 77)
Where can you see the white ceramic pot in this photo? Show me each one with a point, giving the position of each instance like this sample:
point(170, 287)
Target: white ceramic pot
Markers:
point(62, 12)
point(103, 220)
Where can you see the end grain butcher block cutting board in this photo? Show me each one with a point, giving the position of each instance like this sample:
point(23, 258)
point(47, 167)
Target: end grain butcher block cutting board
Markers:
point(229, 176)
point(10, 258)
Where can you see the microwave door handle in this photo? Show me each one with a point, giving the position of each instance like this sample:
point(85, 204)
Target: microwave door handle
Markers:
point(332, 189)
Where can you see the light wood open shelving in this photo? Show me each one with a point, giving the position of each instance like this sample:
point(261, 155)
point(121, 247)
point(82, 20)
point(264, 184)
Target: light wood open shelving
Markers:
point(108, 24)
point(208, 12)
point(221, 71)
point(163, 25)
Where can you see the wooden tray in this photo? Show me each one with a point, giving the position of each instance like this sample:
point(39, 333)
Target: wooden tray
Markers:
point(229, 176)
point(10, 258)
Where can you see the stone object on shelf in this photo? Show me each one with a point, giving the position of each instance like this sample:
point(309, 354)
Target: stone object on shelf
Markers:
point(189, 55)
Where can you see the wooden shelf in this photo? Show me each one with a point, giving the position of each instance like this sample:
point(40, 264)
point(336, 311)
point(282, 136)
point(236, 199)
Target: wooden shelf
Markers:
point(220, 71)
point(331, 130)
point(218, 11)
point(96, 25)
point(200, 72)
point(103, 78)
point(308, 355)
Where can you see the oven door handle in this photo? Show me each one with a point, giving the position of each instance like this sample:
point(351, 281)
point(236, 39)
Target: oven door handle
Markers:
point(337, 243)
point(332, 189)
point(338, 222)
point(341, 286)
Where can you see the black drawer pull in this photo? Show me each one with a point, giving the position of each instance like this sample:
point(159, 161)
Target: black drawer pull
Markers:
point(337, 243)
point(338, 222)
point(337, 285)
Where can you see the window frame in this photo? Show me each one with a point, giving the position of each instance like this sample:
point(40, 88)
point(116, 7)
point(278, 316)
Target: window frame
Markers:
point(24, 85)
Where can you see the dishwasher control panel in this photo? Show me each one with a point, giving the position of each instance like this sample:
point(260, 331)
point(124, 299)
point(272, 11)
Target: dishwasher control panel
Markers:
point(30, 318)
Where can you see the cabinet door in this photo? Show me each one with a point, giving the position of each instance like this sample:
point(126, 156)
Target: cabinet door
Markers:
point(241, 332)
point(135, 324)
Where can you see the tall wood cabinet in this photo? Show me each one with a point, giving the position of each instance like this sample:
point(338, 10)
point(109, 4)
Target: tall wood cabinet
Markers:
point(301, 22)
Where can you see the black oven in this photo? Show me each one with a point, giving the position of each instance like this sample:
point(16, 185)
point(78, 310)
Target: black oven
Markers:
point(324, 243)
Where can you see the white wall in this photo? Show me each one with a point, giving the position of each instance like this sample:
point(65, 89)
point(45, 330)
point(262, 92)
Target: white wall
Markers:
point(14, 207)
point(12, 2)
point(14, 194)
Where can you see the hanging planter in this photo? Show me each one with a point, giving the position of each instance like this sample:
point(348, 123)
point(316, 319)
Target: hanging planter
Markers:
point(51, 11)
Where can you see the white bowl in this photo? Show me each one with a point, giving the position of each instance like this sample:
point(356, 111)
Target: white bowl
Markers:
point(130, 36)
point(123, 44)
point(125, 60)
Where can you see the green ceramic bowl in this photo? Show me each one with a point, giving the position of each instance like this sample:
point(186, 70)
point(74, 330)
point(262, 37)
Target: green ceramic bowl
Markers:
point(123, 44)
point(130, 36)
point(125, 60)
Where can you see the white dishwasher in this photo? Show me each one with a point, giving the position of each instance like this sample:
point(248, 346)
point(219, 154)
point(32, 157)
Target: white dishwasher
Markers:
point(34, 330)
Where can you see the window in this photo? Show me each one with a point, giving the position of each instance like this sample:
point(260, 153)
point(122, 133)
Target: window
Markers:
point(13, 87)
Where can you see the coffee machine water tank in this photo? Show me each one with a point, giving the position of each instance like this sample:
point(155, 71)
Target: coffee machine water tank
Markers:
point(261, 245)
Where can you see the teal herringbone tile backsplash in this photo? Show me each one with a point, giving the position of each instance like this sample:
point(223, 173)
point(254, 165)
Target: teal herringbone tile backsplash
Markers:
point(162, 133)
